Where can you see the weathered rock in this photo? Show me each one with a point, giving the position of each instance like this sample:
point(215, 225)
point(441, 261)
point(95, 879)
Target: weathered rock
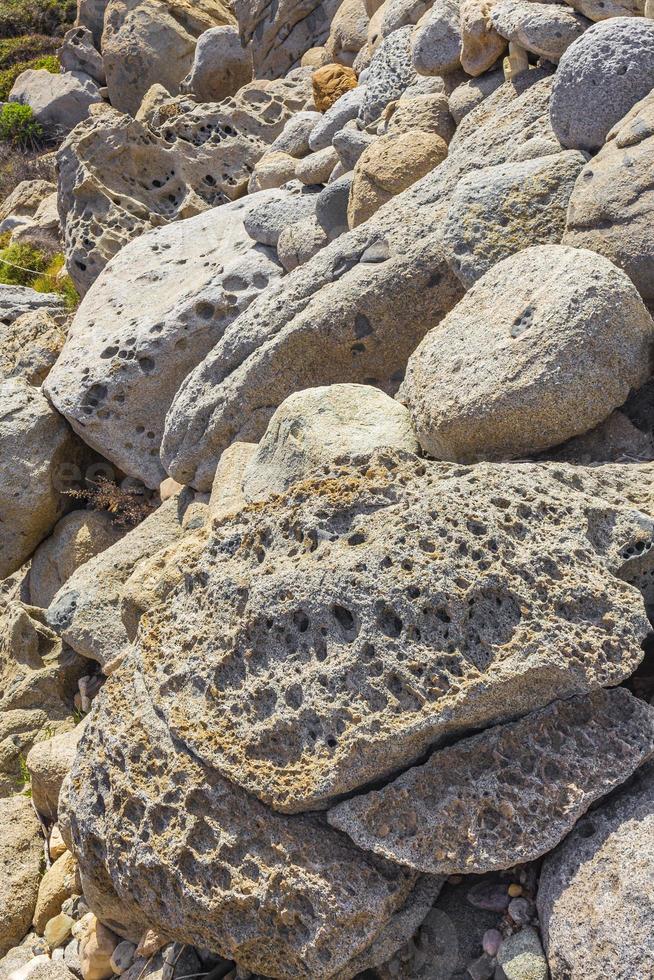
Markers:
point(429, 113)
point(595, 894)
point(130, 348)
point(294, 138)
point(390, 165)
point(279, 34)
point(608, 8)
point(314, 427)
point(542, 348)
point(23, 202)
point(599, 78)
point(348, 32)
point(327, 701)
point(227, 495)
point(331, 82)
point(17, 300)
point(58, 883)
point(79, 54)
point(148, 41)
point(390, 73)
point(609, 208)
point(496, 212)
point(400, 13)
point(59, 102)
point(35, 446)
point(468, 96)
point(21, 852)
point(307, 900)
point(350, 143)
point(96, 947)
point(316, 167)
point(300, 242)
point(521, 956)
point(273, 170)
point(266, 221)
point(436, 44)
point(508, 795)
point(336, 116)
point(42, 231)
point(546, 29)
point(331, 206)
point(49, 762)
point(76, 539)
point(481, 45)
point(29, 346)
point(221, 66)
point(615, 440)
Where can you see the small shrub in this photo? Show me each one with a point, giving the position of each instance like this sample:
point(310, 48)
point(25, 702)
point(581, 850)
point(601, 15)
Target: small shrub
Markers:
point(18, 125)
point(9, 75)
point(18, 263)
point(128, 506)
point(21, 163)
point(51, 281)
point(26, 47)
point(51, 17)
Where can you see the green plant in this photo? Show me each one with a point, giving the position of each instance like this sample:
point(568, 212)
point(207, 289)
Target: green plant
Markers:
point(19, 263)
point(19, 163)
point(52, 281)
point(9, 75)
point(24, 779)
point(17, 124)
point(19, 17)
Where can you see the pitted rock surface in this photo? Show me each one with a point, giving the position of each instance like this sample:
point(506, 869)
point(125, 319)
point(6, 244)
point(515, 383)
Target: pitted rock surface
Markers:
point(332, 635)
point(206, 863)
point(507, 795)
point(389, 74)
point(546, 29)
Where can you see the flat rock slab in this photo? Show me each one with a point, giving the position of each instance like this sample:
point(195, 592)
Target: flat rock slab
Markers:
point(507, 795)
point(332, 635)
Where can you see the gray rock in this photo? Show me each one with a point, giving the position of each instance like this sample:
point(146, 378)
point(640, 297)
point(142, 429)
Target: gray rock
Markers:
point(350, 143)
point(608, 8)
point(595, 895)
point(221, 65)
point(599, 78)
point(496, 212)
point(30, 346)
point(21, 853)
point(390, 73)
point(266, 221)
point(78, 53)
point(521, 956)
point(344, 109)
point(546, 29)
point(436, 43)
point(542, 348)
point(49, 761)
point(298, 243)
point(59, 102)
point(470, 94)
point(317, 166)
point(17, 300)
point(331, 206)
point(508, 795)
point(294, 138)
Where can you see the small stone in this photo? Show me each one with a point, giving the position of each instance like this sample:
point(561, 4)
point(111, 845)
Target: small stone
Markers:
point(58, 929)
point(521, 957)
point(95, 950)
point(331, 82)
point(122, 957)
point(482, 968)
point(56, 845)
point(515, 890)
point(489, 895)
point(491, 941)
point(520, 910)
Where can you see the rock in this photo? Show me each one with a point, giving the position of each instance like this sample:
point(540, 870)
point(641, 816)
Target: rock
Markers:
point(79, 54)
point(29, 346)
point(122, 957)
point(21, 852)
point(57, 930)
point(608, 8)
point(316, 168)
point(521, 956)
point(358, 610)
point(17, 300)
point(56, 845)
point(389, 74)
point(96, 949)
point(426, 113)
point(76, 539)
point(496, 212)
point(58, 883)
point(22, 203)
point(43, 230)
point(348, 32)
point(279, 34)
point(335, 118)
point(87, 609)
point(300, 242)
point(295, 136)
point(331, 82)
point(466, 97)
point(314, 427)
point(221, 66)
point(227, 496)
point(599, 78)
point(331, 206)
point(37, 449)
point(273, 170)
point(508, 795)
point(616, 439)
point(313, 900)
point(608, 210)
point(148, 41)
point(492, 941)
point(481, 45)
point(389, 166)
point(542, 348)
point(400, 13)
point(116, 377)
point(266, 221)
point(48, 763)
point(59, 102)
point(595, 897)
point(546, 29)
point(436, 43)
point(350, 143)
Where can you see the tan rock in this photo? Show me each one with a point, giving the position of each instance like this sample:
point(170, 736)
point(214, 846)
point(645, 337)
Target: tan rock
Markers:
point(272, 170)
point(49, 762)
point(348, 32)
point(227, 495)
point(23, 202)
point(429, 113)
point(330, 82)
point(481, 45)
point(168, 488)
point(60, 881)
point(29, 346)
point(56, 844)
point(57, 930)
point(387, 167)
point(95, 950)
point(21, 853)
point(317, 167)
point(315, 58)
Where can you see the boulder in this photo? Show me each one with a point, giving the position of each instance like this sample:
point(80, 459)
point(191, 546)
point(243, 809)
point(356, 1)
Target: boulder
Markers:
point(436, 42)
point(29, 347)
point(336, 116)
point(300, 242)
point(59, 102)
point(508, 795)
point(348, 32)
point(545, 29)
point(23, 202)
point(279, 34)
point(600, 77)
point(481, 45)
point(148, 41)
point(470, 94)
point(42, 231)
point(96, 947)
point(331, 206)
point(227, 495)
point(59, 882)
point(400, 13)
point(79, 54)
point(221, 65)
point(350, 143)
point(390, 73)
point(36, 448)
point(295, 136)
point(314, 427)
point(609, 210)
point(266, 221)
point(595, 893)
point(273, 169)
point(140, 330)
point(331, 82)
point(21, 853)
point(318, 664)
point(316, 167)
point(49, 762)
point(608, 8)
point(428, 113)
point(496, 212)
point(390, 165)
point(17, 300)
point(521, 956)
point(542, 348)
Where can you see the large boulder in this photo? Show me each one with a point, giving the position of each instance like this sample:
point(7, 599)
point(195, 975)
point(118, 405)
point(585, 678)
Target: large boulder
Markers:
point(436, 41)
point(58, 102)
point(30, 346)
point(507, 795)
point(600, 77)
point(21, 853)
point(481, 45)
point(78, 53)
point(141, 329)
point(221, 66)
point(389, 74)
point(280, 33)
point(595, 894)
point(542, 348)
point(545, 29)
point(36, 449)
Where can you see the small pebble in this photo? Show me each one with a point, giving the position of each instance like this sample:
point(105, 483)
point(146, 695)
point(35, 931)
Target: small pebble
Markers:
point(122, 957)
point(490, 895)
point(482, 968)
point(515, 890)
point(520, 910)
point(491, 941)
